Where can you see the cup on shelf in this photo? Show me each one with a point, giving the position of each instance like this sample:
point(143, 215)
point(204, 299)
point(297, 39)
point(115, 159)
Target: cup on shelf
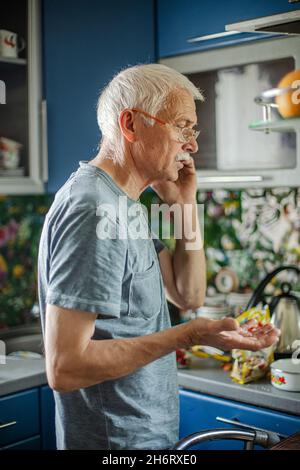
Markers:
point(11, 44)
point(9, 153)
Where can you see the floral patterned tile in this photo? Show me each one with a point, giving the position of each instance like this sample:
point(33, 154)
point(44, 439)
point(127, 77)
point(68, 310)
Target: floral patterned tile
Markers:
point(249, 231)
point(21, 220)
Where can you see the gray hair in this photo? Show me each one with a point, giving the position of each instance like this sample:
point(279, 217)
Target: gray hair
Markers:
point(142, 86)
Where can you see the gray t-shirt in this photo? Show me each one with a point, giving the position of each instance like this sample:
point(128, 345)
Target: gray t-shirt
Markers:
point(120, 280)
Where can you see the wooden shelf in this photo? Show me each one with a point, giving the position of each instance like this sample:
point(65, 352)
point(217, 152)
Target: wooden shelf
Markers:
point(14, 172)
point(13, 61)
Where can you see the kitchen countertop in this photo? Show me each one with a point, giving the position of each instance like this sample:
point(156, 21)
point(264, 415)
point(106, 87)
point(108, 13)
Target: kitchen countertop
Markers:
point(21, 374)
point(205, 376)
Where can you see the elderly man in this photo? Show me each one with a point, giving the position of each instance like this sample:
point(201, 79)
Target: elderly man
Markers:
point(110, 347)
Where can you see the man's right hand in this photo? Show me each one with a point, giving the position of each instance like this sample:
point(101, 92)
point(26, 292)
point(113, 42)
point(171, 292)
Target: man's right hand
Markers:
point(226, 334)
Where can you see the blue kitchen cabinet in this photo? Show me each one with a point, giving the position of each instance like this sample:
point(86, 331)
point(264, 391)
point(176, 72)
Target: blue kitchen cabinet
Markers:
point(47, 408)
point(199, 411)
point(27, 420)
point(84, 45)
point(19, 418)
point(180, 20)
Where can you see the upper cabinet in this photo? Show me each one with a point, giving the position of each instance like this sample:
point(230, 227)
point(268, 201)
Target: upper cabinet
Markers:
point(234, 81)
point(21, 157)
point(183, 26)
point(47, 126)
point(85, 44)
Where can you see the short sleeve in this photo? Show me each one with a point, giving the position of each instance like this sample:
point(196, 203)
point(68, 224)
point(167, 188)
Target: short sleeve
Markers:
point(85, 272)
point(158, 245)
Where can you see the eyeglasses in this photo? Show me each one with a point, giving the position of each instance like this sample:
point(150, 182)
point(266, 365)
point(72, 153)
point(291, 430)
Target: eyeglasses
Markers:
point(185, 134)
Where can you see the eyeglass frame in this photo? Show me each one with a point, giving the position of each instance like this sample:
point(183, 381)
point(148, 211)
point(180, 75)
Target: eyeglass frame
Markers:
point(194, 135)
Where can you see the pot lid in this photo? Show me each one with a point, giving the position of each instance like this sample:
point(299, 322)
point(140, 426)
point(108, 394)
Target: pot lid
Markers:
point(287, 365)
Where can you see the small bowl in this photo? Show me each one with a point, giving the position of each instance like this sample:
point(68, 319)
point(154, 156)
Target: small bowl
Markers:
point(285, 374)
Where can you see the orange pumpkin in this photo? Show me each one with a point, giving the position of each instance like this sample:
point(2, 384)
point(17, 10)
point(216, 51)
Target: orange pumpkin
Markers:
point(289, 102)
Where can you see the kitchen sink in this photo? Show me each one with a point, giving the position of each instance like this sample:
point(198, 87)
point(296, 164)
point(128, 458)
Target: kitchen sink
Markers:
point(23, 339)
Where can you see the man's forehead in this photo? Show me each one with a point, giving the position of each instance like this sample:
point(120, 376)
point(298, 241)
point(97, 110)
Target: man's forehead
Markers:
point(181, 106)
point(189, 118)
point(186, 113)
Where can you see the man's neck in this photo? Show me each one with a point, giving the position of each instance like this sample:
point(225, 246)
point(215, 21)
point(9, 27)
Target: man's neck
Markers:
point(124, 175)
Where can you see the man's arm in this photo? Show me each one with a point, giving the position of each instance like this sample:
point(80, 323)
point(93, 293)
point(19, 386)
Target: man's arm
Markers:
point(74, 360)
point(184, 272)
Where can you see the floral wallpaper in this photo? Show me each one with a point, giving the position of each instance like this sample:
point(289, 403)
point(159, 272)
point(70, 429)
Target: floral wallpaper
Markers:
point(249, 231)
point(21, 219)
point(252, 232)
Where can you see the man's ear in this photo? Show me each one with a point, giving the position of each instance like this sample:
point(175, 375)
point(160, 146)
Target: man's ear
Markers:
point(127, 126)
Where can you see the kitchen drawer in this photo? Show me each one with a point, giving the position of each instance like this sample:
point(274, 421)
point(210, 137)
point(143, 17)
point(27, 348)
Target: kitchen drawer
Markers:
point(23, 409)
point(33, 443)
point(199, 411)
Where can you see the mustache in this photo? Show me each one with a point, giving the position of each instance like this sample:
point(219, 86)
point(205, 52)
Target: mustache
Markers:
point(182, 156)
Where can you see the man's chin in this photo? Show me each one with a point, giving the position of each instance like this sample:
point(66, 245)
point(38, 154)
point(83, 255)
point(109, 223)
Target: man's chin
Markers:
point(170, 174)
point(173, 176)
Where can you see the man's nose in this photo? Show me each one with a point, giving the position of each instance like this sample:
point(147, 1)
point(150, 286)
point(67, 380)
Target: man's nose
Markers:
point(190, 147)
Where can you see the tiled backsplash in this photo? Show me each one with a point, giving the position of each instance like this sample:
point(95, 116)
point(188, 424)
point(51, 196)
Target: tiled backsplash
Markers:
point(249, 231)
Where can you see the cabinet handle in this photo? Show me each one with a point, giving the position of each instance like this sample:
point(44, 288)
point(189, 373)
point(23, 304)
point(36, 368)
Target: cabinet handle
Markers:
point(208, 37)
point(44, 142)
point(7, 425)
point(235, 422)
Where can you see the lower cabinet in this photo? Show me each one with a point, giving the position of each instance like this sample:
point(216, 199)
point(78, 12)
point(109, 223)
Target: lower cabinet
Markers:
point(198, 412)
point(47, 418)
point(33, 443)
point(27, 420)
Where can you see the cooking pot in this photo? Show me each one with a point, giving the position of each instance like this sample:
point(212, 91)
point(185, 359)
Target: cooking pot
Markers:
point(285, 374)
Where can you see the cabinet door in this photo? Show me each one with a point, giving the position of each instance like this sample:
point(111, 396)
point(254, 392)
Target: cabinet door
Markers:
point(199, 412)
point(20, 107)
point(47, 418)
point(85, 44)
point(19, 417)
point(183, 20)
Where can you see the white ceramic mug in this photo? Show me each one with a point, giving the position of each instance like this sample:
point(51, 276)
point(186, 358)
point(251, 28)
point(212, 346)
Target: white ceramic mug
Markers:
point(10, 44)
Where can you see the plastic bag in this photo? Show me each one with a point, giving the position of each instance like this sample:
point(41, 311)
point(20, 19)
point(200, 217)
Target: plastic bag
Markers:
point(249, 366)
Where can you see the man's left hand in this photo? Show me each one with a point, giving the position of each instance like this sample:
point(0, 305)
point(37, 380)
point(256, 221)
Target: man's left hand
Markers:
point(181, 191)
